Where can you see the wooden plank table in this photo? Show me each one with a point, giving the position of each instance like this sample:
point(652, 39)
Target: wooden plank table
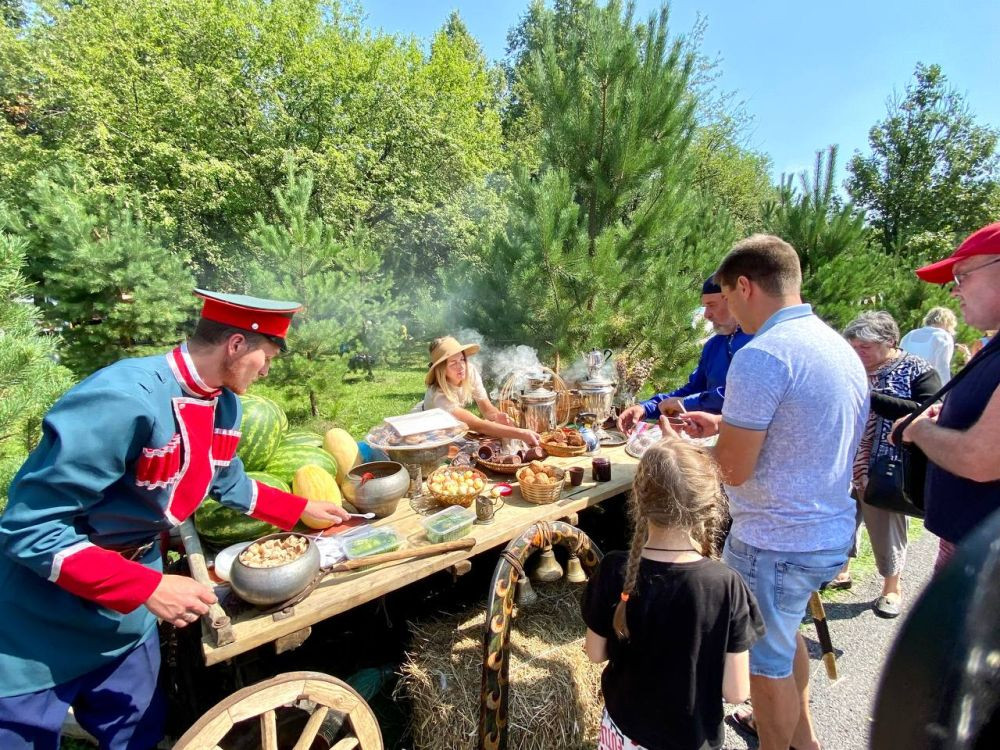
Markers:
point(340, 592)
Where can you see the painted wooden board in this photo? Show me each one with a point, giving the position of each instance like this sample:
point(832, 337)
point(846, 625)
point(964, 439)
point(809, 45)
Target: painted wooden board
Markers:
point(340, 592)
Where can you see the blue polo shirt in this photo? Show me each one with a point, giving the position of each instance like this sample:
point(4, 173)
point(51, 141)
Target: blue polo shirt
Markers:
point(801, 382)
point(706, 387)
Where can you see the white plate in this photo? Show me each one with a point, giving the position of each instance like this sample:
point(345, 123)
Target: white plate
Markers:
point(224, 560)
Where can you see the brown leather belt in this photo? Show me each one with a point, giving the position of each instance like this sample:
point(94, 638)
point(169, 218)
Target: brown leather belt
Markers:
point(131, 552)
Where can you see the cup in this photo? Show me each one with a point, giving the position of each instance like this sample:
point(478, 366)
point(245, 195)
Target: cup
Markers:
point(486, 508)
point(575, 476)
point(600, 469)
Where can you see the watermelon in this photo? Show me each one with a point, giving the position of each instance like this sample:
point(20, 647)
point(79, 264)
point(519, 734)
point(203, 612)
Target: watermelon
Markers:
point(222, 526)
point(290, 458)
point(302, 437)
point(263, 427)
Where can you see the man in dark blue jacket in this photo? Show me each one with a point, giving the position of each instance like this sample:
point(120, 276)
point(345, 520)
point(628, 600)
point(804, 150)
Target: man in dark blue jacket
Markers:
point(706, 386)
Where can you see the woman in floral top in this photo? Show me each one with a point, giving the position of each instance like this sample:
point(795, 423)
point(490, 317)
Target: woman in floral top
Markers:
point(900, 382)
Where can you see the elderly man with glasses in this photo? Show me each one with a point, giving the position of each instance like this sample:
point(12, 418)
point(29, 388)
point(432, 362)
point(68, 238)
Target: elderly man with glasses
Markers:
point(962, 438)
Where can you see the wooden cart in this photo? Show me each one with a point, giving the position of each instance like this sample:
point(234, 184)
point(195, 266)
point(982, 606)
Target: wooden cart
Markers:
point(226, 636)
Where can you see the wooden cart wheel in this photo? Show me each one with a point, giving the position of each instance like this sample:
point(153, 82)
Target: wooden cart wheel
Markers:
point(319, 694)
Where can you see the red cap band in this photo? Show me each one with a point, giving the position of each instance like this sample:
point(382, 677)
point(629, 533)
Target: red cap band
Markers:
point(265, 322)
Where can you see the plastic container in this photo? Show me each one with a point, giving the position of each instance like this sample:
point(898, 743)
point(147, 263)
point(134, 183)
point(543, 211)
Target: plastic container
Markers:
point(372, 540)
point(453, 522)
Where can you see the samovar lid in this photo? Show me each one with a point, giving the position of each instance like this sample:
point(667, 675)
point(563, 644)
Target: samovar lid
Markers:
point(597, 382)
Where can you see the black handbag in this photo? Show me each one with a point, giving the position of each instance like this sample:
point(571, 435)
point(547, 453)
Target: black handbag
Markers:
point(896, 482)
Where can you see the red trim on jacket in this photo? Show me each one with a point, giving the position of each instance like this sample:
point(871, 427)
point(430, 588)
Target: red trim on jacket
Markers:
point(278, 508)
point(184, 371)
point(107, 578)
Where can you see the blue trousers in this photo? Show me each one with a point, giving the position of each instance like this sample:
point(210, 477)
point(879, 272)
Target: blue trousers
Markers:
point(119, 704)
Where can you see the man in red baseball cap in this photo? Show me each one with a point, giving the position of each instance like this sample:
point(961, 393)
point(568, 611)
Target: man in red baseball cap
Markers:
point(962, 437)
point(126, 454)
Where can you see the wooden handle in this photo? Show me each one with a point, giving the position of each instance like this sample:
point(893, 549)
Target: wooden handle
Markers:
point(405, 554)
point(823, 634)
point(216, 618)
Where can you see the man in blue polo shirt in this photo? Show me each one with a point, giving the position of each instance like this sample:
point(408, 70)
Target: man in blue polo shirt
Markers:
point(706, 386)
point(796, 405)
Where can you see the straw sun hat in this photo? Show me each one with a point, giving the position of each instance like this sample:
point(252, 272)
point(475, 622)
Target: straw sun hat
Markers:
point(445, 347)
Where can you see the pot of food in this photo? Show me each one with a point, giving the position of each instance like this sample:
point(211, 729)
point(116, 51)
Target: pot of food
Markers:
point(376, 487)
point(275, 568)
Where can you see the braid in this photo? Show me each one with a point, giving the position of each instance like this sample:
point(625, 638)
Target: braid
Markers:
point(619, 622)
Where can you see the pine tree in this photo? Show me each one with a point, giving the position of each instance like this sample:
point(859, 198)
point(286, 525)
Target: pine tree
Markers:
point(30, 379)
point(596, 250)
point(346, 298)
point(103, 280)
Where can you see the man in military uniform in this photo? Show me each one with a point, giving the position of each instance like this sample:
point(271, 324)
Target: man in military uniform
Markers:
point(125, 455)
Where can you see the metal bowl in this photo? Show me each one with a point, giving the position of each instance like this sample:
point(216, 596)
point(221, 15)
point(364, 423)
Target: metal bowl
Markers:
point(266, 587)
point(427, 459)
point(378, 495)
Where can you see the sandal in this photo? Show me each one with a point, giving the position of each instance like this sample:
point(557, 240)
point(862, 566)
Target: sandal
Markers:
point(886, 607)
point(840, 583)
point(743, 720)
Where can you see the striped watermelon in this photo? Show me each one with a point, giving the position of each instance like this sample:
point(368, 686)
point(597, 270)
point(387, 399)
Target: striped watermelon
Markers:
point(290, 458)
point(302, 437)
point(263, 427)
point(222, 526)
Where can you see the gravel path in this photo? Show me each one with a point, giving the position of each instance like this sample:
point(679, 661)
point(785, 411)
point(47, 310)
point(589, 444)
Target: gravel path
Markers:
point(842, 710)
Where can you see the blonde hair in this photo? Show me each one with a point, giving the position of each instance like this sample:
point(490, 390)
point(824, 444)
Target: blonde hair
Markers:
point(676, 485)
point(941, 317)
point(460, 394)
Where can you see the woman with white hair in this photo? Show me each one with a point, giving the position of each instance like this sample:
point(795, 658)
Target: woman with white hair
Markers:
point(935, 342)
point(900, 382)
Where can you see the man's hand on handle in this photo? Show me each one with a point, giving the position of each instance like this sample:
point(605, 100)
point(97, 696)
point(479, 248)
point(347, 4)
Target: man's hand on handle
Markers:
point(180, 600)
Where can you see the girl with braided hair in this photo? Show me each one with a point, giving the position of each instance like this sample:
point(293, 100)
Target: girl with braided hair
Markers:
point(673, 622)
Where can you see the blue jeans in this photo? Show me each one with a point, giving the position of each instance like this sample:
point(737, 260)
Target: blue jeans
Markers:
point(782, 582)
point(117, 703)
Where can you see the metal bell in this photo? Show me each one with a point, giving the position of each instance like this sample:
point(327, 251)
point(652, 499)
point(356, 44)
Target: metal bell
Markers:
point(526, 595)
point(574, 570)
point(548, 568)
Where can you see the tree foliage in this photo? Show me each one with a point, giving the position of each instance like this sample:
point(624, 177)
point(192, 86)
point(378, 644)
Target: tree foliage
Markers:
point(103, 279)
point(931, 167)
point(30, 379)
point(347, 300)
point(597, 240)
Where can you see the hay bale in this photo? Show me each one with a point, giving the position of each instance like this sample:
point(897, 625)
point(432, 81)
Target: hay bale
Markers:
point(554, 696)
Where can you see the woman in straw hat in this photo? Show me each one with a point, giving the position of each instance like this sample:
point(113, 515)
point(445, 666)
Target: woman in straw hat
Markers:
point(453, 383)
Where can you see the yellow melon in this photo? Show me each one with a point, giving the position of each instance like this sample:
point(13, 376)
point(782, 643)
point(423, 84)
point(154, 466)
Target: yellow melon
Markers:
point(316, 483)
point(339, 444)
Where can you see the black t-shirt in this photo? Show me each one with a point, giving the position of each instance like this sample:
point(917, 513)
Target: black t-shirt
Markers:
point(954, 505)
point(663, 687)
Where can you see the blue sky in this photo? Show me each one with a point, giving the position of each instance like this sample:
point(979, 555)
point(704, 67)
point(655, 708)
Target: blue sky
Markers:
point(811, 73)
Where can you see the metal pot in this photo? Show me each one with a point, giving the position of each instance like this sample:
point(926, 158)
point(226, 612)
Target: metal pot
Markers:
point(266, 587)
point(379, 494)
point(538, 406)
point(597, 395)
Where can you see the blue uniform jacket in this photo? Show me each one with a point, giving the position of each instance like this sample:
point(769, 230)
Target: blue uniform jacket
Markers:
point(706, 387)
point(124, 455)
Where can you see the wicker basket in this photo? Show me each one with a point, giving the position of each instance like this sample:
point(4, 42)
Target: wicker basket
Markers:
point(564, 451)
point(499, 468)
point(464, 500)
point(541, 494)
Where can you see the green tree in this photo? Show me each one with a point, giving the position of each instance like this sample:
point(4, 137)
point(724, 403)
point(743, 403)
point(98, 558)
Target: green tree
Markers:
point(609, 236)
point(197, 104)
point(347, 299)
point(103, 279)
point(30, 379)
point(931, 167)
